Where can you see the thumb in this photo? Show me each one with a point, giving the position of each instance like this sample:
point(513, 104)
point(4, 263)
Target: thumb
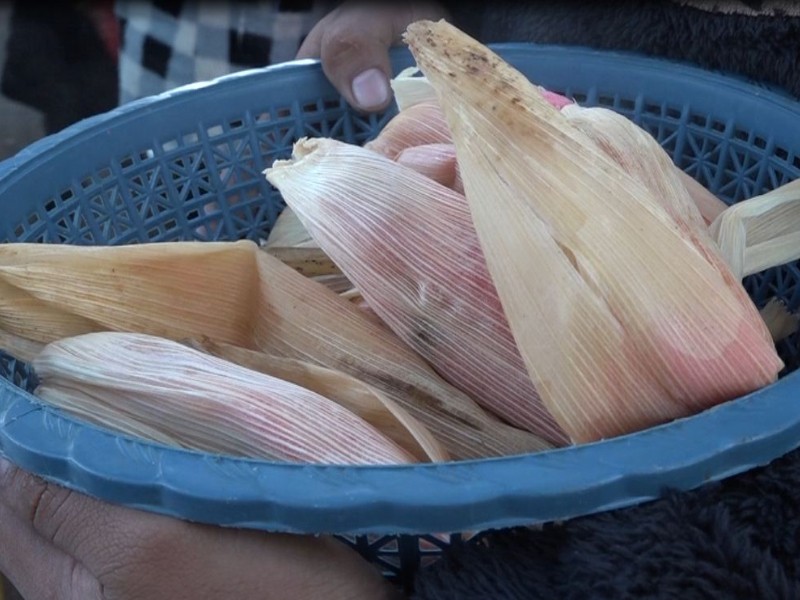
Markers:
point(353, 43)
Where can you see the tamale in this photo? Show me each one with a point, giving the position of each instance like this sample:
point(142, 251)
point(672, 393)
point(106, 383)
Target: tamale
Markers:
point(418, 125)
point(162, 390)
point(233, 292)
point(623, 323)
point(353, 394)
point(408, 245)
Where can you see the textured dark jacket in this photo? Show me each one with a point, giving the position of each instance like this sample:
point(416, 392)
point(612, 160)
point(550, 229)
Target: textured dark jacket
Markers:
point(755, 40)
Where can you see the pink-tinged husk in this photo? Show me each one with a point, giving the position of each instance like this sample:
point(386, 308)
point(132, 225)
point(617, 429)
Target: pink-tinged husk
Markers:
point(418, 125)
point(297, 320)
point(643, 158)
point(622, 322)
point(408, 245)
point(353, 394)
point(413, 126)
point(435, 161)
point(203, 402)
point(233, 292)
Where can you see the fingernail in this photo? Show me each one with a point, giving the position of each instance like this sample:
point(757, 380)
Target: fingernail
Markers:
point(5, 466)
point(371, 88)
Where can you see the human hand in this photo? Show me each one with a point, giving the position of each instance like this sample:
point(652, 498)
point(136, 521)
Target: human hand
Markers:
point(353, 43)
point(55, 543)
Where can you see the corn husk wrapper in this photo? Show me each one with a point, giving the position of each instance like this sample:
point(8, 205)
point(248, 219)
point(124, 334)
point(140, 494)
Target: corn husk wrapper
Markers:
point(288, 232)
point(410, 88)
point(761, 232)
point(708, 204)
point(233, 292)
point(623, 323)
point(419, 125)
point(616, 135)
point(436, 161)
point(421, 121)
point(306, 260)
point(408, 245)
point(642, 157)
point(354, 395)
point(202, 402)
point(691, 205)
point(19, 347)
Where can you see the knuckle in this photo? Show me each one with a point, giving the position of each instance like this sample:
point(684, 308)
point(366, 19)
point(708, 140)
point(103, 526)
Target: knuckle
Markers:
point(339, 47)
point(47, 510)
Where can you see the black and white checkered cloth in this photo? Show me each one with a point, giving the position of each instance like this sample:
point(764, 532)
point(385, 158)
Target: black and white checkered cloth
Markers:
point(168, 43)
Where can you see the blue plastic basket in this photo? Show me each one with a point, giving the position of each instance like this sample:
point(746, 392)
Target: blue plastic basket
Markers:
point(144, 172)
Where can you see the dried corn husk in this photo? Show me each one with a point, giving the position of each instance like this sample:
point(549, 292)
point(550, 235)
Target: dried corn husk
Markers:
point(641, 157)
point(708, 204)
point(409, 246)
point(689, 203)
point(418, 125)
point(19, 347)
point(306, 260)
point(297, 321)
point(436, 161)
point(614, 133)
point(410, 88)
point(622, 322)
point(354, 395)
point(175, 290)
point(761, 232)
point(155, 388)
point(235, 293)
point(288, 232)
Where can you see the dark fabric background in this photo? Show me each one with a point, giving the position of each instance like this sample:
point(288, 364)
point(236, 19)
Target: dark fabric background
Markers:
point(765, 48)
point(739, 538)
point(57, 63)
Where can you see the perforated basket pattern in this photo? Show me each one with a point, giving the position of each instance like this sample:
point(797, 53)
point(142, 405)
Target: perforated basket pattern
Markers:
point(188, 166)
point(162, 191)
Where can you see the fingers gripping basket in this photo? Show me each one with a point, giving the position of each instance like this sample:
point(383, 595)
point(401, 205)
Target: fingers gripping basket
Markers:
point(148, 172)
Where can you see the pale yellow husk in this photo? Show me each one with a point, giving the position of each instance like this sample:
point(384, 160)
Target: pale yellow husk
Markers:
point(306, 260)
point(761, 232)
point(288, 232)
point(410, 89)
point(622, 321)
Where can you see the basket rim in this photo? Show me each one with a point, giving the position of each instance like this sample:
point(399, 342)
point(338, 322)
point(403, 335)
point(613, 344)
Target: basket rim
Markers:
point(400, 58)
point(416, 499)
